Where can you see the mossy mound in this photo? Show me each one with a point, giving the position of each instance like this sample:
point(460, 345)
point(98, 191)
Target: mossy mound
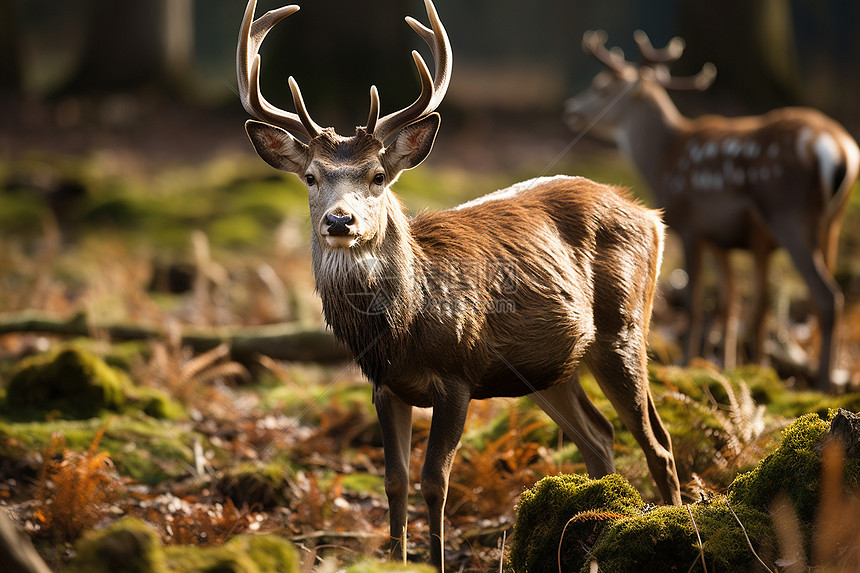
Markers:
point(161, 450)
point(389, 567)
point(127, 546)
point(793, 469)
point(71, 382)
point(130, 546)
point(666, 539)
point(545, 509)
point(605, 520)
point(241, 554)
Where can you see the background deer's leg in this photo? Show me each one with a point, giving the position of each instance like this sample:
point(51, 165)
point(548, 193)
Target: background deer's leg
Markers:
point(729, 308)
point(693, 292)
point(449, 415)
point(830, 238)
point(395, 421)
point(582, 422)
point(619, 366)
point(801, 243)
point(761, 250)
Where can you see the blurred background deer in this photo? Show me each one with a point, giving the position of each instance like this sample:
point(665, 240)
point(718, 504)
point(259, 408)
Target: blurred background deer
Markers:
point(755, 183)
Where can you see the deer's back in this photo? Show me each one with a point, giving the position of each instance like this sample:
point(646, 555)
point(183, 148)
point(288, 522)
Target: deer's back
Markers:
point(520, 282)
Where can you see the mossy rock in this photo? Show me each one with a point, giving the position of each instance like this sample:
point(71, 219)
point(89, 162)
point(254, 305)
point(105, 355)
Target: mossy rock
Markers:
point(666, 539)
point(71, 381)
point(241, 554)
point(582, 520)
point(793, 469)
point(76, 384)
point(545, 510)
point(260, 485)
point(130, 546)
point(127, 546)
point(155, 403)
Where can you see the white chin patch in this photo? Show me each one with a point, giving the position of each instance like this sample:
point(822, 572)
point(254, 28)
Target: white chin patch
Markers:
point(337, 242)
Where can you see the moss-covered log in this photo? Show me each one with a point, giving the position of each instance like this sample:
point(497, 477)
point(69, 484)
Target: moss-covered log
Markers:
point(280, 341)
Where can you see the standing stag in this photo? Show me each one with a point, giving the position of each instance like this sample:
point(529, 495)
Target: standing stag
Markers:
point(502, 296)
point(755, 183)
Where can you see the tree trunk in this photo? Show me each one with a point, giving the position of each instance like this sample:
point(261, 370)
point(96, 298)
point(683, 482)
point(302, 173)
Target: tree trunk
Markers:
point(134, 44)
point(752, 45)
point(10, 63)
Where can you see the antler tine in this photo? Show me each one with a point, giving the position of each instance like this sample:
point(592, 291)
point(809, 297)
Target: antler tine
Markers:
point(373, 116)
point(437, 39)
point(310, 125)
point(700, 81)
point(594, 43)
point(251, 36)
point(651, 55)
point(432, 89)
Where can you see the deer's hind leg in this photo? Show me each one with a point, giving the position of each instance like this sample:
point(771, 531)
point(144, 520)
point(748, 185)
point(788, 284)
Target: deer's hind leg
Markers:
point(619, 366)
point(570, 408)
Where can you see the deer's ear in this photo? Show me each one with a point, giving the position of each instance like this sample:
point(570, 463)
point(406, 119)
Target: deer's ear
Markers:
point(277, 147)
point(412, 144)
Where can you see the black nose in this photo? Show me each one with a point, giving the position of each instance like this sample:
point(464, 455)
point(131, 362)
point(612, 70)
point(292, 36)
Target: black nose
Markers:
point(338, 225)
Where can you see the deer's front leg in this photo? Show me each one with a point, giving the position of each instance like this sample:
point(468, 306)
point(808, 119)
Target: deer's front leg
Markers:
point(395, 421)
point(449, 416)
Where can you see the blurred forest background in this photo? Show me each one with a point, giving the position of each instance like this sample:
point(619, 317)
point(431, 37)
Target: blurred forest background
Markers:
point(101, 63)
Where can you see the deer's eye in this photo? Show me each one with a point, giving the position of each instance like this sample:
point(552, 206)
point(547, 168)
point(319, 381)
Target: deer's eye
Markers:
point(310, 179)
point(379, 179)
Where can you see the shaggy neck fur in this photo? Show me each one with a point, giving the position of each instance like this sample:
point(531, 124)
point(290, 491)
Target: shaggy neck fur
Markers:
point(371, 293)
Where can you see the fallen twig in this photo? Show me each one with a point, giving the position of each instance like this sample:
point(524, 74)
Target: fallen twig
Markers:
point(749, 542)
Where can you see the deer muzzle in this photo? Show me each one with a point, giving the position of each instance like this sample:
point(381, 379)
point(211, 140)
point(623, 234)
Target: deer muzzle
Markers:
point(340, 229)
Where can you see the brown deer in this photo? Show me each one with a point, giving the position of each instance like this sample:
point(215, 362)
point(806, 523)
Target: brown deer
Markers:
point(753, 183)
point(502, 296)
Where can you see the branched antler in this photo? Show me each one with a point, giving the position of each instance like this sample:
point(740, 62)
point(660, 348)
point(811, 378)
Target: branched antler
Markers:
point(653, 59)
point(253, 32)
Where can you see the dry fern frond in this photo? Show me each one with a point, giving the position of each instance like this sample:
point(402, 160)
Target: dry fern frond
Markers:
point(175, 367)
point(74, 489)
point(742, 423)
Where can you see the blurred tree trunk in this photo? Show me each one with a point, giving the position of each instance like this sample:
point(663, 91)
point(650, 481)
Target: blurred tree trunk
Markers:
point(133, 44)
point(10, 64)
point(752, 44)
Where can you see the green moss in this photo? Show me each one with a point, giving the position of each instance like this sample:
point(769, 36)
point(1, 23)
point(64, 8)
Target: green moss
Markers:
point(665, 539)
point(241, 554)
point(388, 567)
point(258, 485)
point(156, 403)
point(545, 509)
point(603, 520)
point(793, 469)
point(71, 381)
point(128, 546)
point(362, 483)
point(145, 449)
